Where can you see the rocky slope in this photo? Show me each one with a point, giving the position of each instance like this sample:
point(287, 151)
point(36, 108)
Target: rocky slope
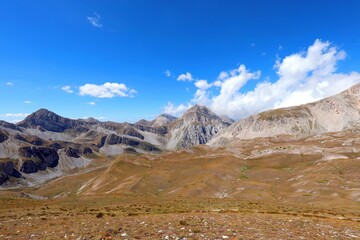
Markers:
point(48, 145)
point(197, 126)
point(49, 121)
point(159, 121)
point(332, 114)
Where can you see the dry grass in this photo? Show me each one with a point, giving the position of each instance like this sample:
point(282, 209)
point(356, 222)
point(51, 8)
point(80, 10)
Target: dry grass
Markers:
point(261, 188)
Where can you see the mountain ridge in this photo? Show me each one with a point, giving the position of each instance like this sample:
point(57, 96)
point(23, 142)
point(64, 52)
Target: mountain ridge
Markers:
point(331, 114)
point(47, 143)
point(44, 141)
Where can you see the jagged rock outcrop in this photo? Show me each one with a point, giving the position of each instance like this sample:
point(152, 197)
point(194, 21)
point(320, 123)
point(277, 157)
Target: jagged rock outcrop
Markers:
point(40, 159)
point(3, 178)
point(130, 131)
point(113, 139)
point(157, 130)
point(71, 152)
point(332, 114)
point(34, 140)
point(197, 126)
point(130, 150)
point(86, 151)
point(3, 136)
point(56, 146)
point(7, 170)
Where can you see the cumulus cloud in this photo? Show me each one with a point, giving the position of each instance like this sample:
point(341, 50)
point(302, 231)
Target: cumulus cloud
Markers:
point(13, 117)
point(16, 115)
point(173, 110)
point(185, 77)
point(201, 95)
point(302, 78)
point(202, 84)
point(95, 20)
point(107, 90)
point(67, 89)
point(167, 73)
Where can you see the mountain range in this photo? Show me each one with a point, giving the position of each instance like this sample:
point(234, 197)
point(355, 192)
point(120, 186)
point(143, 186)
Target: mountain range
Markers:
point(45, 145)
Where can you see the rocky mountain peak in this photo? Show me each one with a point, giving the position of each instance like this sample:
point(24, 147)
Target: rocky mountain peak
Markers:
point(50, 121)
point(199, 109)
point(197, 126)
point(167, 116)
point(162, 120)
point(202, 114)
point(90, 120)
point(43, 113)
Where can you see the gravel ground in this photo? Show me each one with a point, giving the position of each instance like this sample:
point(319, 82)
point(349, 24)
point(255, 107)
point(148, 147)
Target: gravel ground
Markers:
point(178, 226)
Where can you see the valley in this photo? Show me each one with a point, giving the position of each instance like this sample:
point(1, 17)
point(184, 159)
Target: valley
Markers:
point(287, 173)
point(309, 187)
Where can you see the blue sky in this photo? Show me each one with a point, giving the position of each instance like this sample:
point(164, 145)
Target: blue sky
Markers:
point(59, 54)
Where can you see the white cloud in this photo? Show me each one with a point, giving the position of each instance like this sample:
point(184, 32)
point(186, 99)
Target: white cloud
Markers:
point(201, 95)
point(28, 102)
point(302, 78)
point(67, 89)
point(176, 111)
point(95, 20)
point(16, 115)
point(91, 103)
point(185, 77)
point(202, 84)
point(167, 73)
point(13, 117)
point(107, 90)
point(9, 84)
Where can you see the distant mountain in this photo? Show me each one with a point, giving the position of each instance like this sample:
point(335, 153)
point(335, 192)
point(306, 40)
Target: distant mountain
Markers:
point(46, 120)
point(47, 142)
point(197, 126)
point(332, 114)
point(160, 121)
point(46, 145)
